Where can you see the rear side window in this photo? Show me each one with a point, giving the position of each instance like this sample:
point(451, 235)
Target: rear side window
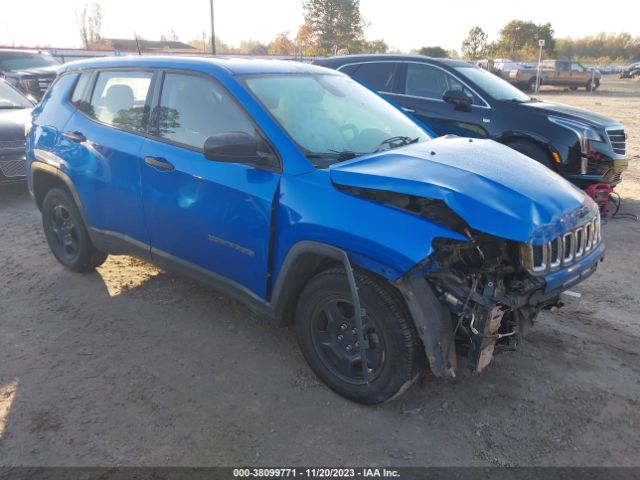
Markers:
point(192, 108)
point(378, 76)
point(119, 98)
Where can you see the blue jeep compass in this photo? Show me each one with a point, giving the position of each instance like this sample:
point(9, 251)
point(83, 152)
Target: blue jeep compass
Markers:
point(315, 201)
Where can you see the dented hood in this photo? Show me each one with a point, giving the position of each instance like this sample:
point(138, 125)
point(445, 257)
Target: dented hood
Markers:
point(495, 189)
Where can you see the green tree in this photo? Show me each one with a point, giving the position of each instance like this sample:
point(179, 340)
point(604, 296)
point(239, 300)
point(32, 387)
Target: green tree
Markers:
point(334, 25)
point(436, 52)
point(373, 46)
point(519, 39)
point(474, 46)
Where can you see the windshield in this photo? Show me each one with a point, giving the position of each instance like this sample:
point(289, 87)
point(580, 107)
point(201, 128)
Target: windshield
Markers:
point(493, 85)
point(332, 116)
point(10, 61)
point(9, 98)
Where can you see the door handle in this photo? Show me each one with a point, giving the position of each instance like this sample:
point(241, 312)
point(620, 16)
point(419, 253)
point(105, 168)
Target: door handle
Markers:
point(159, 163)
point(409, 110)
point(75, 137)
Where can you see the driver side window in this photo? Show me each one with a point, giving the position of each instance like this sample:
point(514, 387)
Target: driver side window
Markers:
point(427, 81)
point(193, 108)
point(576, 67)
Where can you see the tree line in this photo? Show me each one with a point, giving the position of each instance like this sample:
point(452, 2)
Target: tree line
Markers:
point(333, 27)
point(518, 40)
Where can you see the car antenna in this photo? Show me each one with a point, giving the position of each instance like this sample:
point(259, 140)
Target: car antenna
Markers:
point(137, 44)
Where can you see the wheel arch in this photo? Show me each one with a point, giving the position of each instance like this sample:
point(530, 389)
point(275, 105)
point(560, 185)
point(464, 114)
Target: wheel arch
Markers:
point(509, 137)
point(44, 177)
point(304, 260)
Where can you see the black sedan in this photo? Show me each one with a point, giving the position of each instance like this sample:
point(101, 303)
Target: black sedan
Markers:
point(455, 97)
point(15, 114)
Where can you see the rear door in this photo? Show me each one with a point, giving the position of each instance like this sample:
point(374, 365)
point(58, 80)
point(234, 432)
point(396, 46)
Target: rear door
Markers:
point(102, 144)
point(208, 215)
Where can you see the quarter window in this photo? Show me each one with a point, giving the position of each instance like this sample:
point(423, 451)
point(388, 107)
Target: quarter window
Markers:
point(193, 108)
point(119, 98)
point(378, 76)
point(79, 89)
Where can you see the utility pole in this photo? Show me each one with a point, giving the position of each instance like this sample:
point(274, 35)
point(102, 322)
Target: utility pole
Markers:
point(540, 44)
point(213, 34)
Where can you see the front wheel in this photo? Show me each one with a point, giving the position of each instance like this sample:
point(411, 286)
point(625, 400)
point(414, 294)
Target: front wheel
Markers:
point(66, 233)
point(531, 86)
point(328, 337)
point(592, 85)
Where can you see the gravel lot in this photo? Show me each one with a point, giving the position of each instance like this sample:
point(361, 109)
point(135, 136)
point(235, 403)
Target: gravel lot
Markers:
point(132, 366)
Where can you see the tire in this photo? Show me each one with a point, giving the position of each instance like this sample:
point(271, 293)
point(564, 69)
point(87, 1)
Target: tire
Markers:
point(533, 151)
point(325, 325)
point(573, 88)
point(592, 86)
point(66, 233)
point(531, 84)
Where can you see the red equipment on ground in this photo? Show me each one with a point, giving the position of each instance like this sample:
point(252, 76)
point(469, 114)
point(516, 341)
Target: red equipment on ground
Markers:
point(600, 193)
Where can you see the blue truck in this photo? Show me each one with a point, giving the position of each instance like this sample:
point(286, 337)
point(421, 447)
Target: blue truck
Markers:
point(315, 201)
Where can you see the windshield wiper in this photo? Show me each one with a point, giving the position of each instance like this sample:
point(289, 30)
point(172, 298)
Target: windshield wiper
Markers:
point(397, 141)
point(334, 155)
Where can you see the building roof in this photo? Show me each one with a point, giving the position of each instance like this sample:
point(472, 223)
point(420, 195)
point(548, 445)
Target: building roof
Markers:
point(130, 44)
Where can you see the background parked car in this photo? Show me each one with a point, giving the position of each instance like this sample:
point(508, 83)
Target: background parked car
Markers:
point(29, 71)
point(15, 110)
point(559, 73)
point(632, 71)
point(455, 97)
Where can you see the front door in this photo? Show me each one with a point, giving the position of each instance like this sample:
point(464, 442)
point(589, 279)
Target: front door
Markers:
point(205, 214)
point(420, 92)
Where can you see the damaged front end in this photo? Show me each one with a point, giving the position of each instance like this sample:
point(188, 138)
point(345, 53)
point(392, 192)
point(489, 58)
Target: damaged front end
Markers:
point(491, 300)
point(488, 291)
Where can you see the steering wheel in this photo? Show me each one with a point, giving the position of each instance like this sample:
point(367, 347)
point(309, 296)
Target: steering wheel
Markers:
point(349, 127)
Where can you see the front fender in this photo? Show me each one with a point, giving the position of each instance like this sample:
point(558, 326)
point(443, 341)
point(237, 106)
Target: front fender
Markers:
point(376, 237)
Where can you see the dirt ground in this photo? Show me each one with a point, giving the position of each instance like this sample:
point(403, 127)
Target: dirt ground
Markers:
point(132, 366)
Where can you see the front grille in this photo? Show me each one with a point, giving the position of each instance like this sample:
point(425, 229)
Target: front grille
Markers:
point(596, 167)
point(562, 251)
point(43, 83)
point(618, 141)
point(13, 168)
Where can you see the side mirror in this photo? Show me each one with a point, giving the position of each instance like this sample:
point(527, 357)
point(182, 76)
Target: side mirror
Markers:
point(231, 147)
point(459, 99)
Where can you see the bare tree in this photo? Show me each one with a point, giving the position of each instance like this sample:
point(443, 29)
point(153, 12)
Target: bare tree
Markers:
point(90, 23)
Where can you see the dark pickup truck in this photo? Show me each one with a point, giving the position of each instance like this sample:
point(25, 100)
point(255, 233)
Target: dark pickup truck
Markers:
point(29, 71)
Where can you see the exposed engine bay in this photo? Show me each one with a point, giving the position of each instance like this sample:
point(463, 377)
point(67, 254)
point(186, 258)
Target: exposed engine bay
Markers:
point(493, 302)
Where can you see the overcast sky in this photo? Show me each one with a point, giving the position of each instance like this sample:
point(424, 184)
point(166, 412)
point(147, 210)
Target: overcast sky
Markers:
point(403, 24)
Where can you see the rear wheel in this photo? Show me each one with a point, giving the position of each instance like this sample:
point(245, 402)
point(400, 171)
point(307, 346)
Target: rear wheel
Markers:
point(66, 233)
point(328, 337)
point(533, 151)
